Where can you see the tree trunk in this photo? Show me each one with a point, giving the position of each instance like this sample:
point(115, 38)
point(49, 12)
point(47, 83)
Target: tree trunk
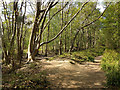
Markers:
point(31, 53)
point(60, 42)
point(31, 57)
point(18, 43)
point(46, 50)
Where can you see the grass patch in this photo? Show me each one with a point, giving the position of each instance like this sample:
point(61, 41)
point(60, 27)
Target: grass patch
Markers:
point(52, 58)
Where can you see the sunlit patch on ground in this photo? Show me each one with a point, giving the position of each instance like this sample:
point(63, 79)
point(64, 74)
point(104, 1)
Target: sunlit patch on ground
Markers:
point(63, 74)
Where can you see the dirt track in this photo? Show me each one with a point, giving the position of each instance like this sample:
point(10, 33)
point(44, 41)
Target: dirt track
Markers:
point(62, 74)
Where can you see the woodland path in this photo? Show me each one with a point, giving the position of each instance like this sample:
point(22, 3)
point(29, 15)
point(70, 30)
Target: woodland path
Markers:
point(62, 74)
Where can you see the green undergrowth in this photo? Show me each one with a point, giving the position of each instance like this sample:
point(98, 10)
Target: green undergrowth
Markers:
point(87, 55)
point(111, 65)
point(52, 58)
point(30, 77)
point(0, 52)
point(81, 56)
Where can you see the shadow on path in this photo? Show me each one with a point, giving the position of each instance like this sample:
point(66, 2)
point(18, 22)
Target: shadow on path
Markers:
point(62, 74)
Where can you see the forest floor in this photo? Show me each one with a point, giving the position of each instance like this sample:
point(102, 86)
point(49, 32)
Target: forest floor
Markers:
point(65, 73)
point(59, 73)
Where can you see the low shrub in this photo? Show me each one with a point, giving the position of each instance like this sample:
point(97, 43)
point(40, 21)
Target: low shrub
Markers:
point(89, 54)
point(111, 65)
point(81, 56)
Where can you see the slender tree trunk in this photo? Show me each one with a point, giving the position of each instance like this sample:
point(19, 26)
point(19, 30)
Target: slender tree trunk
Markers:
point(46, 50)
point(65, 41)
point(60, 42)
point(78, 42)
point(18, 43)
point(42, 45)
point(53, 41)
point(71, 42)
point(21, 35)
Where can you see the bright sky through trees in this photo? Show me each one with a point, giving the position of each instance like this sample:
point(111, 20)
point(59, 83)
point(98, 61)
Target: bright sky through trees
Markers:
point(29, 10)
point(100, 5)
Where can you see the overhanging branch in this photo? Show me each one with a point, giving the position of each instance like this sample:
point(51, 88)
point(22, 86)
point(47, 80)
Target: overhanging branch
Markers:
point(64, 26)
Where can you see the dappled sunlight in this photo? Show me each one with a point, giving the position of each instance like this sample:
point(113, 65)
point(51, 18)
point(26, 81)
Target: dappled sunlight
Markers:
point(63, 74)
point(59, 44)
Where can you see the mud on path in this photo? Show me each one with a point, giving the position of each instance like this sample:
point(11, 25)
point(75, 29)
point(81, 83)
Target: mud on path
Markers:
point(63, 74)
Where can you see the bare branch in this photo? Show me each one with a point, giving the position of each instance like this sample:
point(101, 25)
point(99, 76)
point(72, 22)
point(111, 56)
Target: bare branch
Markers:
point(86, 26)
point(97, 18)
point(65, 25)
point(54, 15)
